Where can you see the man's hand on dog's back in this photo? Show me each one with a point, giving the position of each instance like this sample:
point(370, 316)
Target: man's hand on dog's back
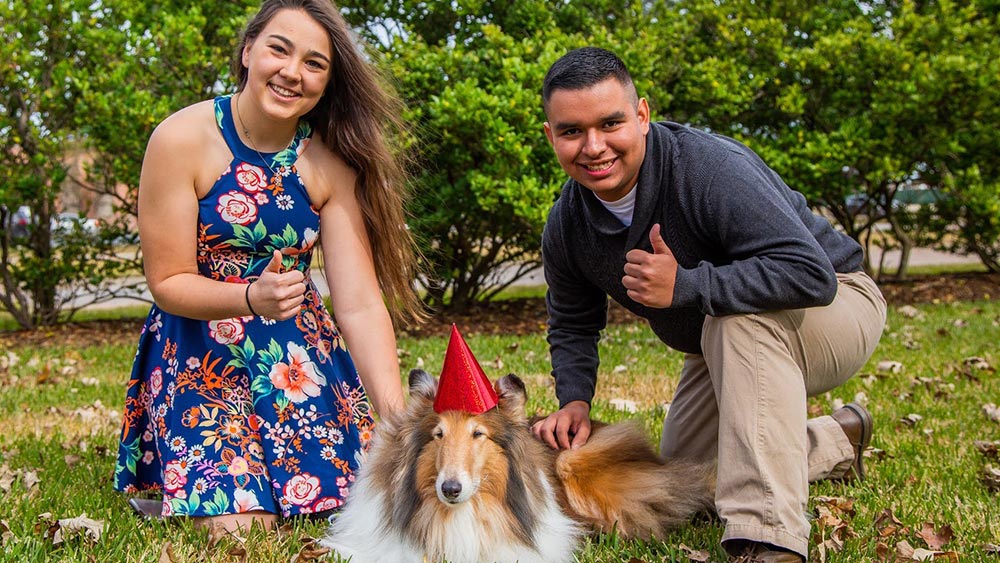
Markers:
point(568, 427)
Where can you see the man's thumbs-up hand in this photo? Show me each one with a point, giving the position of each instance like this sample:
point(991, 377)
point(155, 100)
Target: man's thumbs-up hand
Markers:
point(649, 277)
point(276, 294)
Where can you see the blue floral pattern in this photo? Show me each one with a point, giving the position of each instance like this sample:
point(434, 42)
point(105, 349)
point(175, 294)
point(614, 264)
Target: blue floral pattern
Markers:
point(248, 413)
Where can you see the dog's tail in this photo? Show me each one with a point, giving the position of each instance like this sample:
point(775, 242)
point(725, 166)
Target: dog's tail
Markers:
point(616, 481)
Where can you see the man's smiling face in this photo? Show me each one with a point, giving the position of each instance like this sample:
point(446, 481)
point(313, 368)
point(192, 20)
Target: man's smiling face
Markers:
point(599, 135)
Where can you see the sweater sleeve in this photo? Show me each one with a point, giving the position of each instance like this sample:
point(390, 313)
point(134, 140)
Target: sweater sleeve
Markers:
point(577, 313)
point(768, 257)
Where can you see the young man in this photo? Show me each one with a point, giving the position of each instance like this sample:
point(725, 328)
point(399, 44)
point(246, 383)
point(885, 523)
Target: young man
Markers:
point(694, 233)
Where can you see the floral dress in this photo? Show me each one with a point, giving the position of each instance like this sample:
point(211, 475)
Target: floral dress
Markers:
point(248, 413)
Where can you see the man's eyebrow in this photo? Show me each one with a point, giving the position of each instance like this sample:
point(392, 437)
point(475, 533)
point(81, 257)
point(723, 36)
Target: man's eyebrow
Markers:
point(288, 43)
point(564, 125)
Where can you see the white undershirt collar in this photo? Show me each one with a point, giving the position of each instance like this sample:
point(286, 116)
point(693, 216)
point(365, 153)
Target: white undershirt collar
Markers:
point(623, 208)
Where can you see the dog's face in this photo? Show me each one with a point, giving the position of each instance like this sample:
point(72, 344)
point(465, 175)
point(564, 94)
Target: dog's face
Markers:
point(465, 454)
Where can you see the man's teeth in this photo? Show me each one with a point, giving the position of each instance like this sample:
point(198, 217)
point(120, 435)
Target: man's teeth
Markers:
point(599, 167)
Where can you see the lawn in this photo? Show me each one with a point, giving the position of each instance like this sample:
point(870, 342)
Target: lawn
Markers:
point(930, 386)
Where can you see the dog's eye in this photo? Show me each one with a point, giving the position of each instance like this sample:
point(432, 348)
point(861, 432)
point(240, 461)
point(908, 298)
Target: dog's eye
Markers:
point(438, 434)
point(478, 433)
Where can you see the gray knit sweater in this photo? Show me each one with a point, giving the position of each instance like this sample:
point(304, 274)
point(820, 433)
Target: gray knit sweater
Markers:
point(745, 242)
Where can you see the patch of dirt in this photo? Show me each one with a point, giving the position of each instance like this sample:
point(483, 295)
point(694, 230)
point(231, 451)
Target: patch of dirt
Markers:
point(519, 316)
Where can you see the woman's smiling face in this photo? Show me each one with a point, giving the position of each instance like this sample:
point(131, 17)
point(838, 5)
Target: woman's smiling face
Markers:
point(288, 65)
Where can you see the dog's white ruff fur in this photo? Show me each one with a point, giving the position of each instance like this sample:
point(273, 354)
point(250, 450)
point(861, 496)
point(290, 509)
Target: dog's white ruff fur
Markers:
point(362, 533)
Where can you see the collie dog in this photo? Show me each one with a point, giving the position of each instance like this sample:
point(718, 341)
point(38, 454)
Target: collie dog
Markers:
point(468, 488)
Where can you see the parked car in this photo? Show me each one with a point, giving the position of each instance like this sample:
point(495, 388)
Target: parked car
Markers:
point(906, 198)
point(65, 225)
point(69, 222)
point(19, 222)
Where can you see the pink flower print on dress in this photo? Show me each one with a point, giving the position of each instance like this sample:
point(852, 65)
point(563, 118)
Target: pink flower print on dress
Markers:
point(250, 178)
point(328, 503)
point(236, 207)
point(156, 381)
point(226, 331)
point(174, 477)
point(302, 489)
point(245, 501)
point(298, 378)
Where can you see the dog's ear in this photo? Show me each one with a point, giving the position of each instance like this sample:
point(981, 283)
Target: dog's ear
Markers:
point(512, 396)
point(422, 385)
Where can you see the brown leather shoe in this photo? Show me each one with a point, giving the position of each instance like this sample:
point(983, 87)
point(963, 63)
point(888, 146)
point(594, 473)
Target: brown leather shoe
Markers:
point(856, 422)
point(744, 551)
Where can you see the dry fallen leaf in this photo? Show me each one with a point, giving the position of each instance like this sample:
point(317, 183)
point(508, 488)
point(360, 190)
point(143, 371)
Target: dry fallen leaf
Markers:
point(909, 311)
point(975, 362)
point(837, 505)
point(882, 551)
point(5, 533)
point(67, 528)
point(904, 550)
point(167, 554)
point(936, 555)
point(989, 449)
point(697, 555)
point(497, 363)
point(239, 552)
point(911, 419)
point(889, 366)
point(30, 479)
point(6, 478)
point(887, 525)
point(9, 360)
point(216, 531)
point(991, 477)
point(311, 551)
point(992, 412)
point(936, 538)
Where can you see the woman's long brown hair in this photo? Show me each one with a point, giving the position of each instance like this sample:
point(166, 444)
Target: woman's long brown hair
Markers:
point(355, 118)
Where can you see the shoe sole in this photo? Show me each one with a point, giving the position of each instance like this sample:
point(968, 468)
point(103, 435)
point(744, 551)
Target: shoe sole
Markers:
point(150, 509)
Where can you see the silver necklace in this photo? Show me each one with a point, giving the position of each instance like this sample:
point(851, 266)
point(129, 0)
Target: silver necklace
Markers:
point(246, 133)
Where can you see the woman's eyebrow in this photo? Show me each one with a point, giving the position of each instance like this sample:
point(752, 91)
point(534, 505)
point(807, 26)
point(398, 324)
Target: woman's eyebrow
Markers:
point(288, 43)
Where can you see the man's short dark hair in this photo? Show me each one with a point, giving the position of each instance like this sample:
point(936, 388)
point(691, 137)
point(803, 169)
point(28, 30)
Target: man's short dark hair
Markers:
point(582, 68)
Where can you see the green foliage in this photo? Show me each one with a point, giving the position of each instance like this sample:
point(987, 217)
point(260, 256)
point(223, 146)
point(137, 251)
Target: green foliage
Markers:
point(93, 78)
point(49, 49)
point(841, 98)
point(850, 98)
point(488, 177)
point(471, 74)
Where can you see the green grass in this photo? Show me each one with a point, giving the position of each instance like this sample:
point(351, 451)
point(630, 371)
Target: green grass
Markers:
point(60, 414)
point(944, 269)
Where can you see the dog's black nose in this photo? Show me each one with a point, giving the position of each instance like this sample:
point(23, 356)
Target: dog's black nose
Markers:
point(451, 489)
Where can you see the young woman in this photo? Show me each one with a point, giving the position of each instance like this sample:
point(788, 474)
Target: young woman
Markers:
point(244, 403)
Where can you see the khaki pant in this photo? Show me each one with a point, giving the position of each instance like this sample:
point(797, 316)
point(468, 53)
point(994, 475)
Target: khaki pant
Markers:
point(744, 402)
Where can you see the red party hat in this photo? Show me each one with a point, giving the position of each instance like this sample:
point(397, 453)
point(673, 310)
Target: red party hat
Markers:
point(463, 386)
